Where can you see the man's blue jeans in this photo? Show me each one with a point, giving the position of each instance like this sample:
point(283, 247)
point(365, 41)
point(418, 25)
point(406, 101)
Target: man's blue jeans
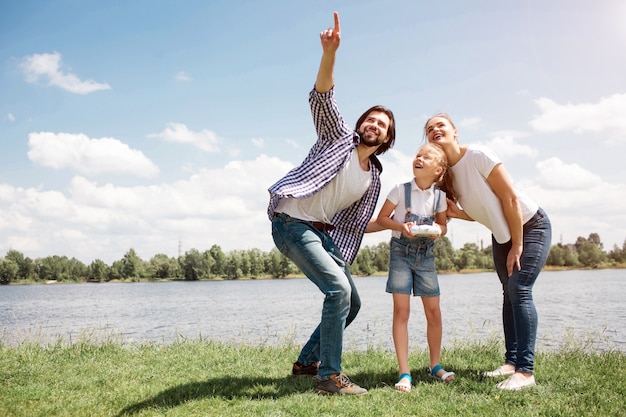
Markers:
point(315, 253)
point(519, 315)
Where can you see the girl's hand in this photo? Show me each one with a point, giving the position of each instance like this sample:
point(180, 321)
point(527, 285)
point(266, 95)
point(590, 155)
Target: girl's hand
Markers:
point(406, 230)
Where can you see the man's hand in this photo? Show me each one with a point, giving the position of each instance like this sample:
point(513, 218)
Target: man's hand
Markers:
point(331, 37)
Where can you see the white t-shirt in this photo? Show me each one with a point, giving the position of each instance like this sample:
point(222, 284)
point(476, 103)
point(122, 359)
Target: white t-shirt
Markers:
point(422, 202)
point(344, 190)
point(476, 197)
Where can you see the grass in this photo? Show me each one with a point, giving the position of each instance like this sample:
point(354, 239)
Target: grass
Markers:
point(205, 378)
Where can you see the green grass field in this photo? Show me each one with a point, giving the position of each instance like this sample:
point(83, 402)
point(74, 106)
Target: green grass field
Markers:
point(204, 378)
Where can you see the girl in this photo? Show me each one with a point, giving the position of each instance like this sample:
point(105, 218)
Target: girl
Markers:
point(521, 237)
point(416, 214)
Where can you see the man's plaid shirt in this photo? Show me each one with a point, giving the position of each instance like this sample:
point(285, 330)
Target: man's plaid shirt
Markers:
point(334, 146)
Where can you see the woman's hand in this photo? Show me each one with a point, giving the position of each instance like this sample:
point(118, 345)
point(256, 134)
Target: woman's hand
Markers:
point(455, 212)
point(512, 259)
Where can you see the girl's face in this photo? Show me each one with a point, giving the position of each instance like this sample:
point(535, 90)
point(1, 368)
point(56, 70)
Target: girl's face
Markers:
point(427, 163)
point(439, 130)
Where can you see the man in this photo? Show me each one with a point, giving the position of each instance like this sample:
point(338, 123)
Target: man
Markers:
point(320, 210)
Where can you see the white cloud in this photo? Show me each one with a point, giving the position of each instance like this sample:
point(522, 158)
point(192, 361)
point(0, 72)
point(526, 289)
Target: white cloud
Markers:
point(505, 145)
point(234, 152)
point(48, 67)
point(258, 142)
point(606, 117)
point(224, 206)
point(470, 123)
point(10, 117)
point(554, 174)
point(182, 76)
point(205, 140)
point(293, 143)
point(88, 156)
point(578, 205)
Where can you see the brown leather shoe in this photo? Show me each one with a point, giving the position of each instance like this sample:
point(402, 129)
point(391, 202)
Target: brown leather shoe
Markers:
point(299, 369)
point(339, 384)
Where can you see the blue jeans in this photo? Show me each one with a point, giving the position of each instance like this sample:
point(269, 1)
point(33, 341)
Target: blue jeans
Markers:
point(412, 267)
point(317, 256)
point(519, 315)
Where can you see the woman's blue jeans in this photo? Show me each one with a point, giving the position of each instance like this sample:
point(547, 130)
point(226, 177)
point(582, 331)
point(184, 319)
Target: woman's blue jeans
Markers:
point(519, 315)
point(317, 256)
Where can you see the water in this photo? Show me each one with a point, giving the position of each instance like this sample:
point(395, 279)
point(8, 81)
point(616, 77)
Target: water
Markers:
point(586, 305)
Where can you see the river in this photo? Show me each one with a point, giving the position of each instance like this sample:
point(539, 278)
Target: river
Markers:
point(582, 306)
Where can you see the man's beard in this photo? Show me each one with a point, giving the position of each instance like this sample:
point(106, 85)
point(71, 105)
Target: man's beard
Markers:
point(370, 140)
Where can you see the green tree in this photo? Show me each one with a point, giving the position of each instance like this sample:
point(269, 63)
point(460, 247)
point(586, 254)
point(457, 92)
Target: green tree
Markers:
point(380, 259)
point(233, 265)
point(444, 254)
point(220, 260)
point(556, 257)
point(590, 251)
point(9, 271)
point(98, 271)
point(618, 255)
point(561, 255)
point(209, 263)
point(76, 270)
point(362, 264)
point(278, 265)
point(256, 263)
point(272, 262)
point(589, 254)
point(26, 266)
point(467, 257)
point(162, 266)
point(595, 239)
point(194, 266)
point(52, 268)
point(245, 263)
point(485, 258)
point(133, 266)
point(116, 272)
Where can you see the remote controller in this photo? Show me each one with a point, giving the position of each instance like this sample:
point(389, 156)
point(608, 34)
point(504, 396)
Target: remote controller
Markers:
point(424, 230)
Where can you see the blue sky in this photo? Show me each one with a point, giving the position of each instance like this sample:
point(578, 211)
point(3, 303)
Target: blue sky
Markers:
point(159, 125)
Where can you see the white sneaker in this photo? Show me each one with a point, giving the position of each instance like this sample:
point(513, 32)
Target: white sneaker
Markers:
point(517, 382)
point(499, 371)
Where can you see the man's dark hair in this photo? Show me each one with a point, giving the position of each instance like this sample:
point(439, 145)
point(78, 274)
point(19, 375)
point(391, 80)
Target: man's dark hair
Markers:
point(391, 129)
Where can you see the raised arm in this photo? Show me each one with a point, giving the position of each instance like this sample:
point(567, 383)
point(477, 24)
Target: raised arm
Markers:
point(330, 39)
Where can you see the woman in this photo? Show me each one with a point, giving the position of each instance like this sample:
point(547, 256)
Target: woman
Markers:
point(521, 236)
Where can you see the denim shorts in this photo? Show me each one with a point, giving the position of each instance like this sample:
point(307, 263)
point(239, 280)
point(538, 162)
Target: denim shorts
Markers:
point(412, 267)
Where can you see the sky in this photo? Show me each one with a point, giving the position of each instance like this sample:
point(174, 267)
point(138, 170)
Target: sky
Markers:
point(159, 125)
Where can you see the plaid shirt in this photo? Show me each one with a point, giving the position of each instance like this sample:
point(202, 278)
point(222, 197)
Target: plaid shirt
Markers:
point(334, 146)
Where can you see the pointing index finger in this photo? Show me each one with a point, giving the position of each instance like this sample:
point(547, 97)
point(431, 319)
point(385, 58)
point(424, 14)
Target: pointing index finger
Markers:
point(337, 27)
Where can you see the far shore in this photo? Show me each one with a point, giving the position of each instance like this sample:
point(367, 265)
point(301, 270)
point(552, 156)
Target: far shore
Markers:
point(299, 276)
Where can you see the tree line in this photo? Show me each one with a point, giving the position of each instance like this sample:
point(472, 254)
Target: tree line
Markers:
point(214, 263)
